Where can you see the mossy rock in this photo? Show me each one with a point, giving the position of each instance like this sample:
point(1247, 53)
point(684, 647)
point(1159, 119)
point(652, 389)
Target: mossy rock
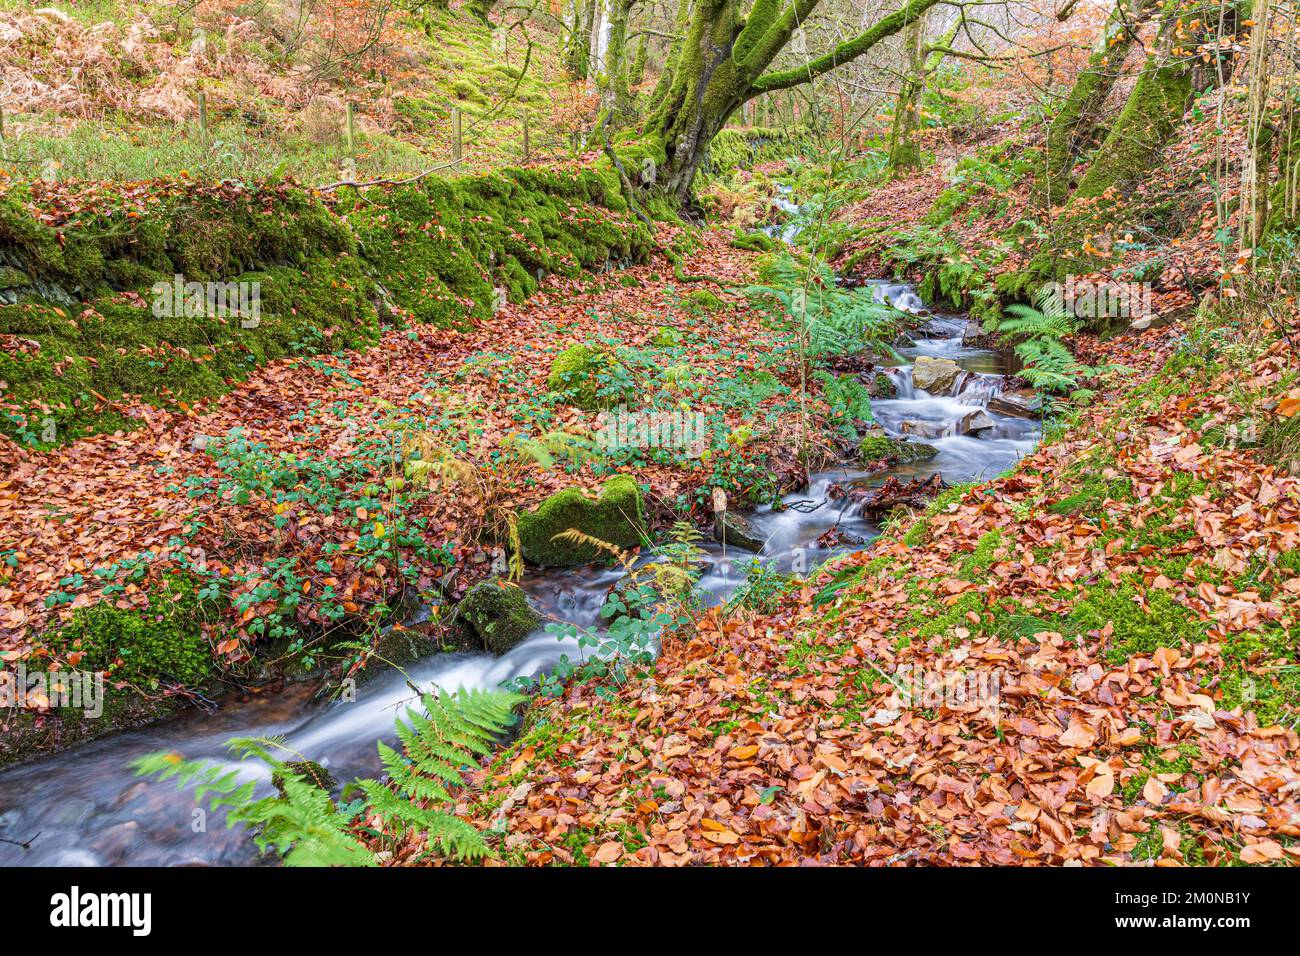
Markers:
point(577, 372)
point(399, 647)
point(702, 300)
point(499, 614)
point(308, 771)
point(666, 337)
point(876, 448)
point(882, 386)
point(617, 517)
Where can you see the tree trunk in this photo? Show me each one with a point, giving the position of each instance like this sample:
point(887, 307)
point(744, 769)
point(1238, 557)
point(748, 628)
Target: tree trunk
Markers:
point(578, 18)
point(904, 155)
point(722, 61)
point(1073, 125)
point(1256, 166)
point(1149, 118)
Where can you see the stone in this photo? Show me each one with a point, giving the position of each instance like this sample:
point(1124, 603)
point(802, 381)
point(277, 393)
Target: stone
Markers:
point(617, 518)
point(975, 421)
point(935, 375)
point(731, 529)
point(877, 448)
point(499, 614)
point(1019, 403)
point(923, 429)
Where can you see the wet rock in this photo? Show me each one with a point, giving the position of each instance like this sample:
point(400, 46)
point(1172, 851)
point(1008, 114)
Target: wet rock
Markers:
point(878, 448)
point(616, 517)
point(935, 375)
point(499, 614)
point(1020, 403)
point(733, 530)
point(309, 771)
point(923, 429)
point(398, 646)
point(973, 422)
point(882, 386)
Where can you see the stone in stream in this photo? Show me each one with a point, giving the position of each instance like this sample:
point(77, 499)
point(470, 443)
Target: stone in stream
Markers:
point(923, 429)
point(935, 375)
point(617, 517)
point(730, 529)
point(499, 614)
point(974, 421)
point(881, 448)
point(1020, 403)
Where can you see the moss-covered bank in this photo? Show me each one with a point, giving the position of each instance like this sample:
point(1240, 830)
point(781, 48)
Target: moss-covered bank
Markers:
point(179, 296)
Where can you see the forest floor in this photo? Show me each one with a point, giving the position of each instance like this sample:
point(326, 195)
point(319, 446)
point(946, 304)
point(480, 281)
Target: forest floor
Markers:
point(110, 498)
point(1129, 595)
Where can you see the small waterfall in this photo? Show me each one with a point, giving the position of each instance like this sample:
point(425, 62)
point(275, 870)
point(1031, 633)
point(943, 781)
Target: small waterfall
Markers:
point(900, 295)
point(901, 376)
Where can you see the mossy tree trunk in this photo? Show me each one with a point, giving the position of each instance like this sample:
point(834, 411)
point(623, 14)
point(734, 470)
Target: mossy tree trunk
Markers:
point(1256, 164)
point(1074, 123)
point(1150, 116)
point(578, 18)
point(615, 90)
point(481, 8)
point(1149, 119)
point(723, 60)
point(923, 60)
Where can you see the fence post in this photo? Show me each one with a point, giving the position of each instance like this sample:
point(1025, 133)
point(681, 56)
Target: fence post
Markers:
point(203, 113)
point(456, 144)
point(2, 124)
point(351, 131)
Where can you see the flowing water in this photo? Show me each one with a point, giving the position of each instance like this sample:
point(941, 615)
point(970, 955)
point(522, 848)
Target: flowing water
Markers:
point(85, 807)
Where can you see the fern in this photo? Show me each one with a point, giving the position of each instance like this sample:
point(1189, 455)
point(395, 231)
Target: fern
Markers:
point(306, 827)
point(836, 322)
point(1048, 318)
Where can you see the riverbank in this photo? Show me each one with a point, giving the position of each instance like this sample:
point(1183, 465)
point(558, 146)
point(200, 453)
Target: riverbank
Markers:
point(1114, 622)
point(291, 505)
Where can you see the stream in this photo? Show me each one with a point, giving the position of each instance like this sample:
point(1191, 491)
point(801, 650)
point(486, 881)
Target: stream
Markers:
point(85, 807)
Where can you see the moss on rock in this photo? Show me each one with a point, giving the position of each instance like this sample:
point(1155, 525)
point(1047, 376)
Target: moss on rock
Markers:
point(577, 372)
point(617, 517)
point(875, 448)
point(499, 613)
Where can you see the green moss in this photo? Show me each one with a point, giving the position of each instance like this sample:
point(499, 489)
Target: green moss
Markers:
point(1138, 630)
point(876, 448)
point(309, 771)
point(617, 517)
point(702, 300)
point(984, 555)
point(587, 377)
point(666, 337)
point(499, 614)
point(163, 643)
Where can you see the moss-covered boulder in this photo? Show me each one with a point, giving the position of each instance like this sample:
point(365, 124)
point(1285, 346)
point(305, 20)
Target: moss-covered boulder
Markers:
point(667, 337)
point(617, 517)
point(881, 448)
point(499, 614)
point(586, 376)
point(308, 771)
